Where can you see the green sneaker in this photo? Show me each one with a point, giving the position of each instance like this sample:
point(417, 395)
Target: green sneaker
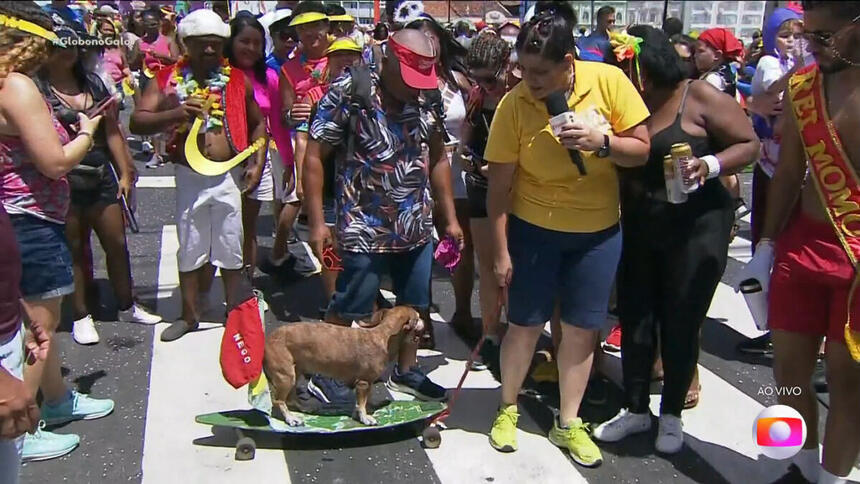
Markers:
point(503, 436)
point(43, 445)
point(576, 440)
point(77, 407)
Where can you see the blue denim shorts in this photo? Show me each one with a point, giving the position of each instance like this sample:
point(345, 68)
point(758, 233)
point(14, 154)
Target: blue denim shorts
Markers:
point(46, 262)
point(574, 269)
point(358, 283)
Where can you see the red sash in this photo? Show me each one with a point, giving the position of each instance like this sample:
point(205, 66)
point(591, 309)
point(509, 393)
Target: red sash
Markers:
point(833, 175)
point(235, 120)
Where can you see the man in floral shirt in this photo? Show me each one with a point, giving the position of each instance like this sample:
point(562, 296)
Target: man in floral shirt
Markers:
point(384, 206)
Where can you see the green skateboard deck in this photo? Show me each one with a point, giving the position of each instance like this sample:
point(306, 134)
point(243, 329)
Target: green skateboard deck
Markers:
point(396, 413)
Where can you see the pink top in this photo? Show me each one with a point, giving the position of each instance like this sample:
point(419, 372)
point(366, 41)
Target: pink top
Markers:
point(113, 64)
point(24, 189)
point(161, 46)
point(268, 97)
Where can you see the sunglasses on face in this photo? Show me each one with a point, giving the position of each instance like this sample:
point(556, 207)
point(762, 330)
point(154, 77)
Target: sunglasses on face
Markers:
point(284, 35)
point(825, 37)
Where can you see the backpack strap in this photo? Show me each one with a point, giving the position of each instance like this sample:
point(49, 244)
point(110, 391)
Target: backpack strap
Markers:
point(359, 99)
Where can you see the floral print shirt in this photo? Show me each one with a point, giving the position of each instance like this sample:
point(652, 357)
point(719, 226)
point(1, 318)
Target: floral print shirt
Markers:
point(382, 193)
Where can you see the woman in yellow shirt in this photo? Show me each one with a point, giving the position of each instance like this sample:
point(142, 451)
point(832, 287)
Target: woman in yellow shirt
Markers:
point(562, 242)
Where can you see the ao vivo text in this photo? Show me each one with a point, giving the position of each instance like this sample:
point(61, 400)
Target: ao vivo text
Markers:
point(769, 390)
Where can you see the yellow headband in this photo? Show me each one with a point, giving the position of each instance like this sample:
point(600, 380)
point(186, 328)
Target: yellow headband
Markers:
point(307, 17)
point(29, 27)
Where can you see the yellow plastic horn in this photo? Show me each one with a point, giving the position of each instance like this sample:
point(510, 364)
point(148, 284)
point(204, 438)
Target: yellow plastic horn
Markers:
point(207, 167)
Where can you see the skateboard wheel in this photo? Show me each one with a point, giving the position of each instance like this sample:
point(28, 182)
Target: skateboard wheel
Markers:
point(431, 436)
point(245, 448)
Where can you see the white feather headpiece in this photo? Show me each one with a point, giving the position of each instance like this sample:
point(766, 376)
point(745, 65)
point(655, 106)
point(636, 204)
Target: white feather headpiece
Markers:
point(408, 11)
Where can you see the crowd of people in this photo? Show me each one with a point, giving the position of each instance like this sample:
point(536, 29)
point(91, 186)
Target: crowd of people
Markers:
point(578, 176)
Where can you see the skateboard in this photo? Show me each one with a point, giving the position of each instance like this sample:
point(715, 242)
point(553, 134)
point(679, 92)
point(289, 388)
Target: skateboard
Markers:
point(396, 413)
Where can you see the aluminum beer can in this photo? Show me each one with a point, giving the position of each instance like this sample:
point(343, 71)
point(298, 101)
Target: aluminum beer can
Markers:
point(682, 155)
point(671, 175)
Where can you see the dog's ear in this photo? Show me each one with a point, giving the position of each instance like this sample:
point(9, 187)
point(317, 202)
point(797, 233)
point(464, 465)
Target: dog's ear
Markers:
point(377, 318)
point(414, 323)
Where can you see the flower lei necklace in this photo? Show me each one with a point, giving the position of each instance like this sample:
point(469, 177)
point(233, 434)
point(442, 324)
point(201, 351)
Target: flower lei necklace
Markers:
point(211, 92)
point(311, 70)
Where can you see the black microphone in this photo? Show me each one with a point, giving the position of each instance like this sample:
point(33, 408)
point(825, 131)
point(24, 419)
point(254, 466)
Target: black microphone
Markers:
point(556, 103)
point(433, 99)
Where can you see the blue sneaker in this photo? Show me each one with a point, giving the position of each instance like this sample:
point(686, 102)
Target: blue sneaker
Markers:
point(329, 390)
point(77, 407)
point(415, 382)
point(47, 445)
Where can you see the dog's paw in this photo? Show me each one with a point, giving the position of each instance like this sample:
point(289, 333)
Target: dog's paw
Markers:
point(293, 421)
point(367, 420)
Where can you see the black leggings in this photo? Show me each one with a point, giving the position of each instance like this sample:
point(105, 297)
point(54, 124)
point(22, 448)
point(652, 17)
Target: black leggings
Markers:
point(672, 259)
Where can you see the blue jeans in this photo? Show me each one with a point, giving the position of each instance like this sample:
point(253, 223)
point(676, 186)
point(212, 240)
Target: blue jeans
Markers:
point(12, 360)
point(358, 283)
point(46, 262)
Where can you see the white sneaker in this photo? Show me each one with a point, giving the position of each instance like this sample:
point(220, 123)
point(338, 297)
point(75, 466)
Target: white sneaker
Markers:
point(146, 146)
point(670, 436)
point(84, 331)
point(624, 424)
point(137, 314)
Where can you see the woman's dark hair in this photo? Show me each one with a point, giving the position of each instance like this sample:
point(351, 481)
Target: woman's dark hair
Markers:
point(452, 54)
point(550, 34)
point(657, 57)
point(488, 51)
point(334, 9)
point(306, 6)
point(553, 9)
point(673, 26)
point(153, 12)
point(237, 25)
point(380, 32)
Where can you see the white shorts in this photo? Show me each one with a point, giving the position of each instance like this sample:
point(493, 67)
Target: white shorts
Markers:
point(265, 191)
point(285, 192)
point(12, 360)
point(208, 219)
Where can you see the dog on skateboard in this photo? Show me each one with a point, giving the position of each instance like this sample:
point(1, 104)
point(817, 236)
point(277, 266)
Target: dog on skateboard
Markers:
point(355, 356)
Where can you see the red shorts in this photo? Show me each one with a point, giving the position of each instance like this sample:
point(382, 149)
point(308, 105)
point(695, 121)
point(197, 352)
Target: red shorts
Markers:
point(810, 281)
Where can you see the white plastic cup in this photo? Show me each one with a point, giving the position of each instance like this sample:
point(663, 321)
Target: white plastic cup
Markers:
point(756, 300)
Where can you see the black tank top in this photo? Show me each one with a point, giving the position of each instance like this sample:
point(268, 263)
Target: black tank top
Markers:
point(644, 182)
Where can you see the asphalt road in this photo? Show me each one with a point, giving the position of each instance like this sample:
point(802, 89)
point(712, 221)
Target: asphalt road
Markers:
point(158, 389)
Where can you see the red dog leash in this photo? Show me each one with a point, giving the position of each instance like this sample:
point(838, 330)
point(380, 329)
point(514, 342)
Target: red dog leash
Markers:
point(503, 301)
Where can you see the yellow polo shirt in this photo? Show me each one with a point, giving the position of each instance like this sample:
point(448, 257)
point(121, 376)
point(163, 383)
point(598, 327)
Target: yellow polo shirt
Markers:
point(548, 190)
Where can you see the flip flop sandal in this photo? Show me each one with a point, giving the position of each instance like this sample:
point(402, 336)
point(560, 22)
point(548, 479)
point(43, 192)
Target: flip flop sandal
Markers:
point(692, 398)
point(176, 330)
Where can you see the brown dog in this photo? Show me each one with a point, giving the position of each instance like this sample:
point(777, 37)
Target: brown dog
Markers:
point(355, 356)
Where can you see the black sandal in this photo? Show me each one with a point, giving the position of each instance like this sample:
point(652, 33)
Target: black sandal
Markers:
point(176, 330)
